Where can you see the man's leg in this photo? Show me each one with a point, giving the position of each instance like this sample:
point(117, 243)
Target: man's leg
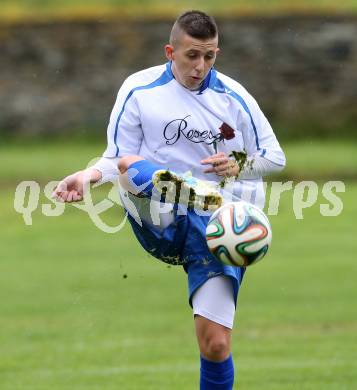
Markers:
point(143, 179)
point(126, 161)
point(217, 369)
point(214, 308)
point(139, 176)
point(214, 339)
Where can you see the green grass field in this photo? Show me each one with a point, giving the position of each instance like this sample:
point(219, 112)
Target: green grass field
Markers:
point(312, 159)
point(82, 309)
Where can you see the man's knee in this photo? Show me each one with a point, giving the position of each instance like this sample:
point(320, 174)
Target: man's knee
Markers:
point(217, 348)
point(214, 339)
point(126, 161)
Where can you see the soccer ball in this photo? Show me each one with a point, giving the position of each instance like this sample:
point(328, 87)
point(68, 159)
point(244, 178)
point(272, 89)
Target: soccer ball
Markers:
point(238, 234)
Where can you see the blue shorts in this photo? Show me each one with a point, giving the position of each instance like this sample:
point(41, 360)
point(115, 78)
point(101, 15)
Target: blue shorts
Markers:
point(183, 242)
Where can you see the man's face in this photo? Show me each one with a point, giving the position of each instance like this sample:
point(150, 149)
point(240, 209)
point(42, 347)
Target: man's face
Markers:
point(192, 59)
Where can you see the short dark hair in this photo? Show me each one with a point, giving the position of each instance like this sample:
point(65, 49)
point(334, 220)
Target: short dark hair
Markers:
point(196, 24)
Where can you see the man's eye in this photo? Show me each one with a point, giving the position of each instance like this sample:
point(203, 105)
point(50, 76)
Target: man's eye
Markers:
point(191, 55)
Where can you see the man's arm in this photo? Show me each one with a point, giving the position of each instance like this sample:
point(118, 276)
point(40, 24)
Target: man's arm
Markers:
point(253, 167)
point(259, 138)
point(262, 152)
point(124, 132)
point(72, 187)
point(124, 136)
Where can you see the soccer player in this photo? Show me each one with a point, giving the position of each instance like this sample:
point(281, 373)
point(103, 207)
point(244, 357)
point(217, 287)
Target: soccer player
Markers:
point(178, 117)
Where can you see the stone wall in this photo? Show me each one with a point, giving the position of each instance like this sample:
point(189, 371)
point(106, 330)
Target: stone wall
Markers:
point(60, 77)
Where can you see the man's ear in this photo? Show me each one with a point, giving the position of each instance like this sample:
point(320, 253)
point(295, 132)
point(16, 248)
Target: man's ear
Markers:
point(169, 50)
point(218, 51)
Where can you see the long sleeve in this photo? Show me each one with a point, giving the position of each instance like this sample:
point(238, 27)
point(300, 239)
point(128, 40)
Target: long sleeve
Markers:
point(257, 167)
point(259, 137)
point(108, 167)
point(124, 133)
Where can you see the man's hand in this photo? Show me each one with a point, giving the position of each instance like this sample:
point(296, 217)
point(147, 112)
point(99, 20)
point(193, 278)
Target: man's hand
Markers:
point(221, 165)
point(72, 187)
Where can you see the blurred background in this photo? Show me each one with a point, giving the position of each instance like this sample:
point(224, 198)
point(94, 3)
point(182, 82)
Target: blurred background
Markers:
point(84, 309)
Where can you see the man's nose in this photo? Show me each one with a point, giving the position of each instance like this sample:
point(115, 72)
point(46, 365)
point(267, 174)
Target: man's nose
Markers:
point(200, 65)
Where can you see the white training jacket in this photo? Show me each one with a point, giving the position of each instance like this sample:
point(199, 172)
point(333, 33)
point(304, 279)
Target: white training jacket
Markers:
point(156, 117)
